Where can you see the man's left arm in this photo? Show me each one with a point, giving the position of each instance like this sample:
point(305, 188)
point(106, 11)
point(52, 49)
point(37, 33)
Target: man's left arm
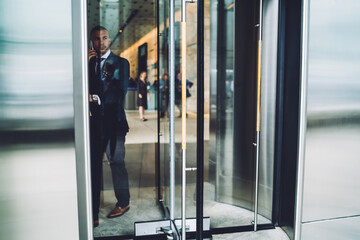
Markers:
point(124, 74)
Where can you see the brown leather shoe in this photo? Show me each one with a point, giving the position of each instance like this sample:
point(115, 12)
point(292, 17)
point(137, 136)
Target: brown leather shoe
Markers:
point(95, 223)
point(118, 211)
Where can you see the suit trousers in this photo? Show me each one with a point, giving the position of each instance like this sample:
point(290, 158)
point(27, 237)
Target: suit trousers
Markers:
point(109, 128)
point(116, 154)
point(99, 137)
point(119, 173)
point(95, 160)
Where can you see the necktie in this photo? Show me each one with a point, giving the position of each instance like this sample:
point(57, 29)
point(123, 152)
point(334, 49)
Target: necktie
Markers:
point(102, 61)
point(98, 65)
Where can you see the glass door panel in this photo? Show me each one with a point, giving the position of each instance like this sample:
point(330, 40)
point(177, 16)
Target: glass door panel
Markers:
point(230, 184)
point(129, 30)
point(163, 106)
point(230, 62)
point(164, 129)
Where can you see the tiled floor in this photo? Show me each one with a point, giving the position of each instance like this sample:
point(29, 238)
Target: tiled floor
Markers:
point(140, 163)
point(148, 130)
point(273, 234)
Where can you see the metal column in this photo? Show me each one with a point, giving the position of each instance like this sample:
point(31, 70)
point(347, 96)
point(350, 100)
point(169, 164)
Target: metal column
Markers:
point(81, 120)
point(183, 118)
point(302, 118)
point(200, 122)
point(258, 115)
point(172, 109)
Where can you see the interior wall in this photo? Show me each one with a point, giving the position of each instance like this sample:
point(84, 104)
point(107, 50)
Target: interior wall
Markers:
point(131, 54)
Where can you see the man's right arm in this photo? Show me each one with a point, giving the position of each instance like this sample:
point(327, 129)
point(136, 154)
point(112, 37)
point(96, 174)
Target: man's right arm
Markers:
point(92, 53)
point(92, 81)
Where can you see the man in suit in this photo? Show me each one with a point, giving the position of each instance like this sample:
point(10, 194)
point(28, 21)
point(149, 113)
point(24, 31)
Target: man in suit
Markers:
point(107, 90)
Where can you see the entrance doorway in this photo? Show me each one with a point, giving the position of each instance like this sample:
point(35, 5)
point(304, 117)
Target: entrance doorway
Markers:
point(221, 72)
point(230, 60)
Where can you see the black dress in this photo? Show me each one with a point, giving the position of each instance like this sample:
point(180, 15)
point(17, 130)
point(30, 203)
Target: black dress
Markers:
point(142, 89)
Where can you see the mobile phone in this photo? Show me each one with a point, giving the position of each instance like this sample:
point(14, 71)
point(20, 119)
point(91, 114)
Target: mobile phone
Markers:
point(91, 45)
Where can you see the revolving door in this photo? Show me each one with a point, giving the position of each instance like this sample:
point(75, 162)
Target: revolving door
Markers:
point(214, 167)
point(221, 114)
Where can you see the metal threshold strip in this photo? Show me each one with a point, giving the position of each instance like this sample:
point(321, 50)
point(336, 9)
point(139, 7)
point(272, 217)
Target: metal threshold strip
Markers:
point(169, 228)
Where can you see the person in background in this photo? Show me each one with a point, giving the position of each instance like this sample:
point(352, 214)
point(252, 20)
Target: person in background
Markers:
point(164, 94)
point(178, 101)
point(107, 90)
point(178, 91)
point(142, 95)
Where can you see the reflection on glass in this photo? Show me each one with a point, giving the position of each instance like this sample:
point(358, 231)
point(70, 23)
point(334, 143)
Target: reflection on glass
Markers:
point(191, 107)
point(333, 116)
point(230, 180)
point(34, 72)
point(37, 150)
point(219, 197)
point(164, 89)
point(123, 168)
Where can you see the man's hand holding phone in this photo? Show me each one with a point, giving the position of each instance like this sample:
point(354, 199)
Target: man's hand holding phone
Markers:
point(92, 51)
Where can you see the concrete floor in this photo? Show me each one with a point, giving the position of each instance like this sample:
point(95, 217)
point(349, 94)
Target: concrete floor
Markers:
point(273, 234)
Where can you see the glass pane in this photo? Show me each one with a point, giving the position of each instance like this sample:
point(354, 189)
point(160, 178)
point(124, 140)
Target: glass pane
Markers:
point(191, 102)
point(164, 107)
point(191, 107)
point(37, 147)
point(333, 112)
point(131, 35)
point(230, 166)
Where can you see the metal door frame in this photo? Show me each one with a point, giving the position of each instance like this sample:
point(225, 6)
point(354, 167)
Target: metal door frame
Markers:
point(200, 126)
point(81, 119)
point(80, 65)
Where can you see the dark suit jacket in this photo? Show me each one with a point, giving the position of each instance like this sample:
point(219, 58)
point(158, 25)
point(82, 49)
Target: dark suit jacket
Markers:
point(97, 86)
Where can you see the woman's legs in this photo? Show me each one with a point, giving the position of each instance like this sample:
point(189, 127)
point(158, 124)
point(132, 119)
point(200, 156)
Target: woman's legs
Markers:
point(141, 112)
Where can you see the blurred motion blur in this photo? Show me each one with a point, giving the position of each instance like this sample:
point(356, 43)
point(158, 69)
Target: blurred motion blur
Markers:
point(332, 180)
point(37, 160)
point(39, 192)
point(36, 62)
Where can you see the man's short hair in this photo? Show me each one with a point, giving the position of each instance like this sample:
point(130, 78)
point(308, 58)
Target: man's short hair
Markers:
point(97, 28)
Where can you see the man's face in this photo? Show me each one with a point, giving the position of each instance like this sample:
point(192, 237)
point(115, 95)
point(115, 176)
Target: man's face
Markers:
point(101, 41)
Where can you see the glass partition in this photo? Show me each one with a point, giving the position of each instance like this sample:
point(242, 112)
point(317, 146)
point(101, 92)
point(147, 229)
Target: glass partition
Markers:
point(333, 114)
point(125, 81)
point(230, 178)
point(191, 105)
point(38, 178)
point(331, 171)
